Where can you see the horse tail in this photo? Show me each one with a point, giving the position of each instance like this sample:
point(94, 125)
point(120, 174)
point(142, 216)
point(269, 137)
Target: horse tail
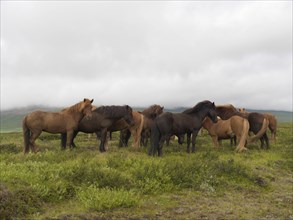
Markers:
point(26, 135)
point(140, 129)
point(260, 133)
point(244, 135)
point(155, 139)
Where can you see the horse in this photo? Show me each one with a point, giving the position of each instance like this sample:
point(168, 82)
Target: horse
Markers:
point(272, 122)
point(234, 128)
point(188, 122)
point(62, 122)
point(272, 125)
point(102, 118)
point(258, 123)
point(149, 116)
point(135, 129)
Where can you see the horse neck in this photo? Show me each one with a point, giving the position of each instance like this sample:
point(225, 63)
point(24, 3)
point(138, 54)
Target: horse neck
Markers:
point(200, 114)
point(149, 115)
point(229, 112)
point(74, 111)
point(207, 123)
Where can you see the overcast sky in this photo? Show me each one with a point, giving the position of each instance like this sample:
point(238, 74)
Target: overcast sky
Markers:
point(141, 53)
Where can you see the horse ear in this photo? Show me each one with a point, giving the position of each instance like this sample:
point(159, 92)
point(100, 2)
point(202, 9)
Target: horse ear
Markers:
point(162, 107)
point(92, 100)
point(213, 103)
point(84, 99)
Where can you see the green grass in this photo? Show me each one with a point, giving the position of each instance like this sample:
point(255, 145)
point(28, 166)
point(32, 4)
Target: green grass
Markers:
point(125, 183)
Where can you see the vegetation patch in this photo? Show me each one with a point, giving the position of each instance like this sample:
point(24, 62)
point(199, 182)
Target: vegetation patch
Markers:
point(127, 183)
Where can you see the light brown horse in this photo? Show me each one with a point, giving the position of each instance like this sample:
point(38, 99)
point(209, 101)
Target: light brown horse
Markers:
point(227, 129)
point(272, 125)
point(64, 122)
point(272, 122)
point(258, 123)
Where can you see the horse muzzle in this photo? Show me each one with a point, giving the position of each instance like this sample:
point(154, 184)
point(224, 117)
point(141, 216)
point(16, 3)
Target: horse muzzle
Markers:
point(130, 122)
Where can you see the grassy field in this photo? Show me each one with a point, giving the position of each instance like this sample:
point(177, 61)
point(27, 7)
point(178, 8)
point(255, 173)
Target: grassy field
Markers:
point(125, 183)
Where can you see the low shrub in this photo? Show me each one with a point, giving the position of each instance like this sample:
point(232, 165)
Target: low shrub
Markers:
point(18, 203)
point(97, 199)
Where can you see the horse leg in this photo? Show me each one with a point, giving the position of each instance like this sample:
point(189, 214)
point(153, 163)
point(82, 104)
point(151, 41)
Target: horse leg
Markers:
point(180, 139)
point(194, 135)
point(74, 135)
point(63, 141)
point(134, 134)
point(266, 139)
point(188, 142)
point(161, 143)
point(103, 140)
point(69, 139)
point(215, 140)
point(121, 139)
point(34, 135)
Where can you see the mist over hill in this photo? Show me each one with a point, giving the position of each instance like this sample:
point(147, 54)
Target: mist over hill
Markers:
point(11, 120)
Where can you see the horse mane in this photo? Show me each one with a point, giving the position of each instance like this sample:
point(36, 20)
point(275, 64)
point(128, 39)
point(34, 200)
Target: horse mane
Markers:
point(111, 111)
point(227, 111)
point(73, 108)
point(197, 107)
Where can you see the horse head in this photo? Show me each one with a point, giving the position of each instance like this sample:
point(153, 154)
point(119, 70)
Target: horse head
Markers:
point(153, 111)
point(86, 108)
point(128, 117)
point(212, 112)
point(159, 110)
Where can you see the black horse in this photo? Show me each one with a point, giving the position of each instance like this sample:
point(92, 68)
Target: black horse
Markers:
point(188, 122)
point(102, 118)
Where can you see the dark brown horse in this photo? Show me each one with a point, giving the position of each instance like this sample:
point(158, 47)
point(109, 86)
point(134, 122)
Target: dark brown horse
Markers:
point(188, 122)
point(65, 122)
point(102, 118)
point(134, 129)
point(272, 122)
point(149, 116)
point(258, 123)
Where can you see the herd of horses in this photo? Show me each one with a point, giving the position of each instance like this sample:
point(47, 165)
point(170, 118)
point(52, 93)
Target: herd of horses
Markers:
point(221, 122)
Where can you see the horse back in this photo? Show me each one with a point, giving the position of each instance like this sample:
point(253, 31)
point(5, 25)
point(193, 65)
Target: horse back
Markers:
point(222, 128)
point(237, 124)
point(47, 121)
point(184, 123)
point(255, 121)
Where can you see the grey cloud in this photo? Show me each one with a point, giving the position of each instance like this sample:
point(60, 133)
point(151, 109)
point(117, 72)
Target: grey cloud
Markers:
point(140, 53)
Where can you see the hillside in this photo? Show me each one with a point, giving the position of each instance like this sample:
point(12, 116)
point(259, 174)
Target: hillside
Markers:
point(11, 120)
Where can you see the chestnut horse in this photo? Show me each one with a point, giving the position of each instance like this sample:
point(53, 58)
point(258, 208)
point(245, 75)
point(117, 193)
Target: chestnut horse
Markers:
point(188, 122)
point(62, 122)
point(234, 127)
point(258, 123)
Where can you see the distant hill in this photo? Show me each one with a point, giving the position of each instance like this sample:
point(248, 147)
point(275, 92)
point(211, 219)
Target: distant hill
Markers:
point(11, 120)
